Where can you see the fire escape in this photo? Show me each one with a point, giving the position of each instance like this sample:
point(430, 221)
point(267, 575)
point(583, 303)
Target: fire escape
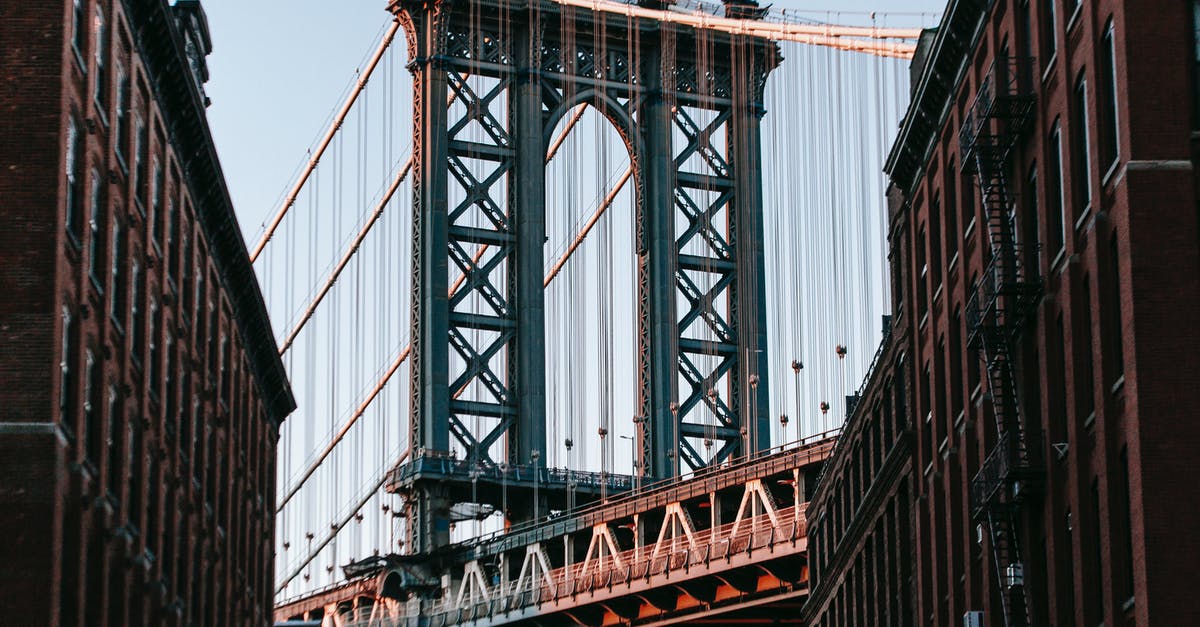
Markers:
point(1004, 297)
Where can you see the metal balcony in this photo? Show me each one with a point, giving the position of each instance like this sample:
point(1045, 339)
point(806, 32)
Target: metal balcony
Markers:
point(1008, 473)
point(1001, 111)
point(1004, 297)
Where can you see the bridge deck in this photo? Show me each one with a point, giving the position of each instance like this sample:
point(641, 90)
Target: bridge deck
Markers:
point(647, 560)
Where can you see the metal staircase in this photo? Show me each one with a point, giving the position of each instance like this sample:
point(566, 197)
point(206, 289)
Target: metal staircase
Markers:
point(1004, 297)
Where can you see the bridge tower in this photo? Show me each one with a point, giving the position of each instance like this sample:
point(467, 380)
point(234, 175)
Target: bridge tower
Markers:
point(491, 80)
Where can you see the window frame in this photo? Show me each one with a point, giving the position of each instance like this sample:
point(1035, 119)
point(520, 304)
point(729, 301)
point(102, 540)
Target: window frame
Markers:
point(98, 200)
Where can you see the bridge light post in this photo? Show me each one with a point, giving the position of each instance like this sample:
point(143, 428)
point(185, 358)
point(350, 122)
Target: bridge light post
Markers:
point(753, 409)
point(639, 463)
point(632, 456)
point(797, 366)
point(537, 478)
point(783, 422)
point(674, 454)
point(602, 432)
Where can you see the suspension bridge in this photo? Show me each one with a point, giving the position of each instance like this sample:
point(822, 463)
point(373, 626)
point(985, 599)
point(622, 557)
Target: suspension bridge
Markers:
point(551, 284)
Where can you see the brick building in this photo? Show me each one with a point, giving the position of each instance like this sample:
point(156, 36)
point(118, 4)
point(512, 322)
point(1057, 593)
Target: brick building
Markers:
point(141, 392)
point(860, 519)
point(1046, 251)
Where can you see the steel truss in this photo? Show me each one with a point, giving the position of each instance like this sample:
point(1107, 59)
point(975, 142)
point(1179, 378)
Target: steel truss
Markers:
point(692, 130)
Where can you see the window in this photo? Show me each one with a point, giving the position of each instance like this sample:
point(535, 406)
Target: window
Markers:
point(967, 204)
point(95, 247)
point(1110, 142)
point(196, 447)
point(152, 342)
point(100, 88)
point(186, 431)
point(185, 282)
point(171, 384)
point(1056, 360)
point(66, 386)
point(1030, 222)
point(118, 293)
point(951, 211)
point(1196, 59)
point(1085, 392)
point(1066, 572)
point(134, 485)
point(1097, 595)
point(78, 31)
point(137, 288)
point(139, 162)
point(91, 407)
point(1081, 149)
point(1125, 519)
point(1048, 22)
point(72, 162)
point(209, 337)
point(1056, 219)
point(922, 272)
point(1114, 346)
point(121, 117)
point(956, 357)
point(114, 453)
point(226, 372)
point(172, 239)
point(1025, 34)
point(156, 188)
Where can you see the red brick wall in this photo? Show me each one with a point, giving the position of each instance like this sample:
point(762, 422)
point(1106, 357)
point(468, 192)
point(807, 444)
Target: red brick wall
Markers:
point(1151, 209)
point(158, 510)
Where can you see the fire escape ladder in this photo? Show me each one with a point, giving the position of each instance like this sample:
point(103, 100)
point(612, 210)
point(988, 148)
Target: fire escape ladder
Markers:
point(1003, 298)
point(1006, 553)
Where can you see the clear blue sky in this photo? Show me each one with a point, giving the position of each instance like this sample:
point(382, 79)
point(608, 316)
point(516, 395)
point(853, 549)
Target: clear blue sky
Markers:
point(279, 68)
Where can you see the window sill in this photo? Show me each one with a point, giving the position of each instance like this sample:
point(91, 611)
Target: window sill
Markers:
point(74, 247)
point(1074, 19)
point(1117, 385)
point(100, 114)
point(1113, 168)
point(79, 62)
point(1128, 604)
point(1048, 71)
point(1082, 220)
point(1090, 421)
point(1058, 259)
point(969, 230)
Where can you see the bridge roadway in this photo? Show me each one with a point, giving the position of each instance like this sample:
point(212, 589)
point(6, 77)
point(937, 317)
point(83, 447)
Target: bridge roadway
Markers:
point(725, 546)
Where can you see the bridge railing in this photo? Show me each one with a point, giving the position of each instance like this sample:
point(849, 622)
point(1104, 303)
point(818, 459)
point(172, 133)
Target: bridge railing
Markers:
point(641, 563)
point(746, 467)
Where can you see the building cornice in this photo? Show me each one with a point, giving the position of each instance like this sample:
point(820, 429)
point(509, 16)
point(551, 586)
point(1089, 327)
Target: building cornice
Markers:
point(161, 46)
point(945, 65)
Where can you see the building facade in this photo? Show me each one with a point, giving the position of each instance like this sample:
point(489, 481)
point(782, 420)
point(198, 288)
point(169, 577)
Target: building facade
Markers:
point(141, 391)
point(1045, 219)
point(860, 516)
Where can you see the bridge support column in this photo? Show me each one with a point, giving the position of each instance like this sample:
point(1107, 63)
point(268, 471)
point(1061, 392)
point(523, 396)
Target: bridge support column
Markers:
point(527, 188)
point(656, 275)
point(429, 425)
point(745, 146)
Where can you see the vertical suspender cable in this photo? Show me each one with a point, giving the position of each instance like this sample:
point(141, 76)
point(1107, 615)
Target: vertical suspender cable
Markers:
point(333, 129)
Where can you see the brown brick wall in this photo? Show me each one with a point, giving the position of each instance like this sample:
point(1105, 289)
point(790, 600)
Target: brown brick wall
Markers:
point(150, 501)
point(1113, 386)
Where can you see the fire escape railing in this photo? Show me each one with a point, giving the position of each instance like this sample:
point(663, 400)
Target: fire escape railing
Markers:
point(1003, 300)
